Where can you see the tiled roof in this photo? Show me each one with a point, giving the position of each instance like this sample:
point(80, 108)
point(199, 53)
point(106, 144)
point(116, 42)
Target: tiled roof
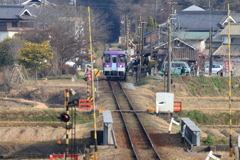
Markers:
point(191, 35)
point(149, 32)
point(199, 20)
point(10, 11)
point(206, 52)
point(13, 12)
point(223, 50)
point(236, 17)
point(176, 39)
point(234, 30)
point(33, 9)
point(217, 38)
point(22, 1)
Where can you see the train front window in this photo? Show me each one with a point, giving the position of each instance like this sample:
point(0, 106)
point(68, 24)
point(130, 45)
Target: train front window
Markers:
point(114, 59)
point(107, 58)
point(121, 58)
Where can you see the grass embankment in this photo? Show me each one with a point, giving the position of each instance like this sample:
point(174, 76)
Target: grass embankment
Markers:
point(194, 90)
point(39, 118)
point(218, 118)
point(194, 86)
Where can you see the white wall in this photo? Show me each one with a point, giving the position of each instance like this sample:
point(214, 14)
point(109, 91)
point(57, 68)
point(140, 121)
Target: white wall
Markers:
point(225, 39)
point(5, 34)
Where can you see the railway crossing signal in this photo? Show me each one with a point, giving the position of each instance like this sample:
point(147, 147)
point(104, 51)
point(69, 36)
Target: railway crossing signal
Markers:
point(89, 76)
point(64, 117)
point(74, 102)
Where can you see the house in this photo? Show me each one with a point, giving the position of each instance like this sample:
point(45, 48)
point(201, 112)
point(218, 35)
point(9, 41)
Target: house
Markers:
point(192, 26)
point(20, 17)
point(221, 53)
point(15, 18)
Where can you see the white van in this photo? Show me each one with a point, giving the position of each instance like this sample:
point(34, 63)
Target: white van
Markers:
point(177, 67)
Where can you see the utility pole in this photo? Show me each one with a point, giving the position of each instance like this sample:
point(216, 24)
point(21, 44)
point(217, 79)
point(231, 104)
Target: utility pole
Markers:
point(143, 27)
point(155, 15)
point(169, 57)
point(127, 30)
point(172, 16)
point(159, 34)
point(138, 40)
point(138, 52)
point(150, 45)
point(169, 45)
point(210, 52)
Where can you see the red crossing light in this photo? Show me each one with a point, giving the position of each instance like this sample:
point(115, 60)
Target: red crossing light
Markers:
point(64, 117)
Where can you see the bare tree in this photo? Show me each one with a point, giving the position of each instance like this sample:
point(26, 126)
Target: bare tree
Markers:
point(67, 30)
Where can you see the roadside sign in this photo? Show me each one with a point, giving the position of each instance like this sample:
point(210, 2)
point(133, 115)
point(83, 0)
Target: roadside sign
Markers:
point(96, 72)
point(226, 66)
point(89, 76)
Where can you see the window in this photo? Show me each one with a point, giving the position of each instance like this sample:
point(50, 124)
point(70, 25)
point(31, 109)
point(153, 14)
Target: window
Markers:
point(106, 58)
point(14, 24)
point(216, 66)
point(182, 65)
point(176, 65)
point(114, 59)
point(3, 24)
point(121, 58)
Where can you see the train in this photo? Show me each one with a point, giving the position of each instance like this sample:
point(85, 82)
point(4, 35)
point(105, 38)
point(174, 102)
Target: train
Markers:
point(114, 64)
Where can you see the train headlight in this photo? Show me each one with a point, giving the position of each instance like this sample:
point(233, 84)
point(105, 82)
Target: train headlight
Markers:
point(121, 66)
point(106, 65)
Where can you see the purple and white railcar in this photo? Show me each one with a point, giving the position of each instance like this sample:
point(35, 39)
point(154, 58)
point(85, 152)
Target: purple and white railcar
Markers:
point(114, 64)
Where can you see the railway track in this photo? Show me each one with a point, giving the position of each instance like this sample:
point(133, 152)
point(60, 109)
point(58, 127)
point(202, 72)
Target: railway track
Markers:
point(128, 118)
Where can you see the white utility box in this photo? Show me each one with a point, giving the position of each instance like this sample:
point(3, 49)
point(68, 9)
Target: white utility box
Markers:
point(164, 102)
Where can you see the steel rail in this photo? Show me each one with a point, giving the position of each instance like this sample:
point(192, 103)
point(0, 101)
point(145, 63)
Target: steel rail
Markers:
point(140, 123)
point(135, 113)
point(115, 97)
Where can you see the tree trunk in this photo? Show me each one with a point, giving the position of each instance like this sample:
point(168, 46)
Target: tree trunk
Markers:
point(36, 76)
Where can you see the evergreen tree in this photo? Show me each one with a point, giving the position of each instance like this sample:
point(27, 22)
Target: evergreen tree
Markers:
point(150, 24)
point(35, 56)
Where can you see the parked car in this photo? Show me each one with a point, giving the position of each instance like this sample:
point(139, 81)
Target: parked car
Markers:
point(215, 68)
point(176, 67)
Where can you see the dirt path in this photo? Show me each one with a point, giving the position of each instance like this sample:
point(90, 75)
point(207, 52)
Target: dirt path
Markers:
point(34, 103)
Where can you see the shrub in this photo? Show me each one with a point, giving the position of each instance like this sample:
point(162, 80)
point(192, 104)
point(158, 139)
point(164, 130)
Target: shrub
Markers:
point(224, 140)
point(66, 69)
point(151, 64)
point(208, 140)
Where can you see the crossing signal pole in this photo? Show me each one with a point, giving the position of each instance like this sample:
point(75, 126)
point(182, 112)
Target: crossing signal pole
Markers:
point(64, 117)
point(93, 89)
point(231, 150)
